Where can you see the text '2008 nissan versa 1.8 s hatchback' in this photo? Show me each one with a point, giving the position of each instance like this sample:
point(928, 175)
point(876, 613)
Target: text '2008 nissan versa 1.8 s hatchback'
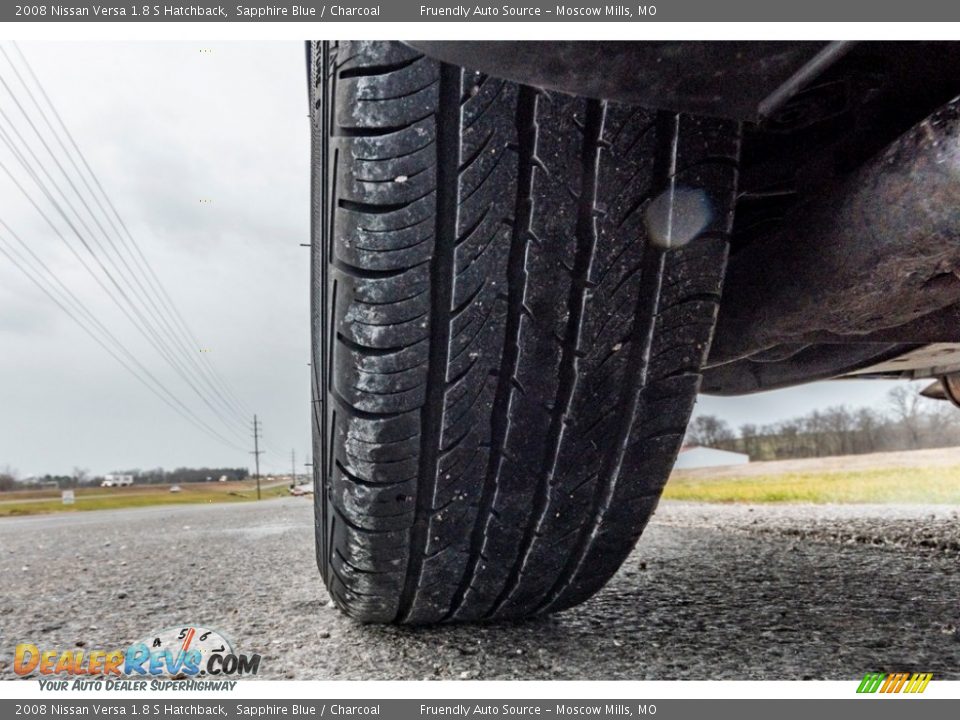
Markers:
point(518, 255)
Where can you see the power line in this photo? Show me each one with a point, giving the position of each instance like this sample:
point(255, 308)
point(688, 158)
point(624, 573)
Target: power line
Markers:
point(132, 243)
point(151, 305)
point(175, 404)
point(147, 328)
point(151, 275)
point(150, 308)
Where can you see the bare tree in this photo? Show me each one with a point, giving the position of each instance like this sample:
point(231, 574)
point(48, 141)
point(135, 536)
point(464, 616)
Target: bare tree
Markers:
point(709, 431)
point(8, 478)
point(750, 440)
point(838, 424)
point(907, 406)
point(80, 476)
point(869, 428)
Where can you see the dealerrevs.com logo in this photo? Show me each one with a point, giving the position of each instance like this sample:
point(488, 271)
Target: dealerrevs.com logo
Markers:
point(185, 658)
point(888, 683)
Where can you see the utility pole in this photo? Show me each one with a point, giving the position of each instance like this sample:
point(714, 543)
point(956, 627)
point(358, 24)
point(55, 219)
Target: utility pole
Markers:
point(293, 466)
point(257, 451)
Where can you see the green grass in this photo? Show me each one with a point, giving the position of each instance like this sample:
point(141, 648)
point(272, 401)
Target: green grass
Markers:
point(19, 504)
point(937, 485)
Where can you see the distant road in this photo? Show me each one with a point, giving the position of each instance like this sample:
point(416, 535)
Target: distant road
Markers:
point(732, 592)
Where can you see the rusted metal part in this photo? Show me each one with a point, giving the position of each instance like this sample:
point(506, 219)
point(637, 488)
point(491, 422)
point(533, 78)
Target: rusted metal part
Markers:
point(875, 251)
point(940, 326)
point(951, 388)
point(806, 364)
point(934, 391)
point(827, 355)
point(946, 388)
point(923, 362)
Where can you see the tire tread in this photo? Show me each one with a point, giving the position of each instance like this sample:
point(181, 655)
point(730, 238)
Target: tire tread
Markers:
point(505, 363)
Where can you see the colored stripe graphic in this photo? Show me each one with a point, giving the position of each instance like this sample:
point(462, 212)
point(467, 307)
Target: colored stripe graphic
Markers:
point(894, 683)
point(871, 682)
point(918, 683)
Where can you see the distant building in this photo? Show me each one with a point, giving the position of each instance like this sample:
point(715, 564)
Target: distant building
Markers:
point(695, 456)
point(117, 481)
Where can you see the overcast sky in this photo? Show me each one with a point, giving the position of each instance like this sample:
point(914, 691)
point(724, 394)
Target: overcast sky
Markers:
point(165, 126)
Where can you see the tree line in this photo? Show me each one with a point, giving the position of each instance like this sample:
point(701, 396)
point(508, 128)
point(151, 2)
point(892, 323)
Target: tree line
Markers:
point(159, 476)
point(908, 422)
point(81, 477)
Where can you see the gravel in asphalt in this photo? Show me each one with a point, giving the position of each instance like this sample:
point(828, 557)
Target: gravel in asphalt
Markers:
point(711, 592)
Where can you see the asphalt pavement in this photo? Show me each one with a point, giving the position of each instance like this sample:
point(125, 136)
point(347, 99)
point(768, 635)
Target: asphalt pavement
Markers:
point(711, 592)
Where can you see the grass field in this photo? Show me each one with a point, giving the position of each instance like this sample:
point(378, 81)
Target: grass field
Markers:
point(920, 476)
point(936, 485)
point(36, 502)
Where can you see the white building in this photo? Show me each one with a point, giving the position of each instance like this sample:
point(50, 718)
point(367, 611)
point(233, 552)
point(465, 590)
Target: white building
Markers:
point(695, 456)
point(117, 481)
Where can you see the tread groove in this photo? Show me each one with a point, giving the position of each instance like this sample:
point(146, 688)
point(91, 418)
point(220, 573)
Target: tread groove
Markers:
point(526, 121)
point(641, 345)
point(368, 274)
point(320, 151)
point(441, 274)
point(381, 69)
point(586, 237)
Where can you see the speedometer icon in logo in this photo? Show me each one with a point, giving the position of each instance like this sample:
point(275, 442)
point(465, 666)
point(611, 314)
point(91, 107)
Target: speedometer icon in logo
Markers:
point(192, 638)
point(185, 651)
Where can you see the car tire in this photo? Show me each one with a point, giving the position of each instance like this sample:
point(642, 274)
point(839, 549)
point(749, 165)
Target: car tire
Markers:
point(507, 344)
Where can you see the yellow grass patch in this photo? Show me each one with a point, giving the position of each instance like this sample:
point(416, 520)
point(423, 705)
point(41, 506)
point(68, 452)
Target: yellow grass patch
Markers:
point(936, 485)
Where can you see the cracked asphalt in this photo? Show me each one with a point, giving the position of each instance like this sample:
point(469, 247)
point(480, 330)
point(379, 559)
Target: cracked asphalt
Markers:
point(711, 592)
